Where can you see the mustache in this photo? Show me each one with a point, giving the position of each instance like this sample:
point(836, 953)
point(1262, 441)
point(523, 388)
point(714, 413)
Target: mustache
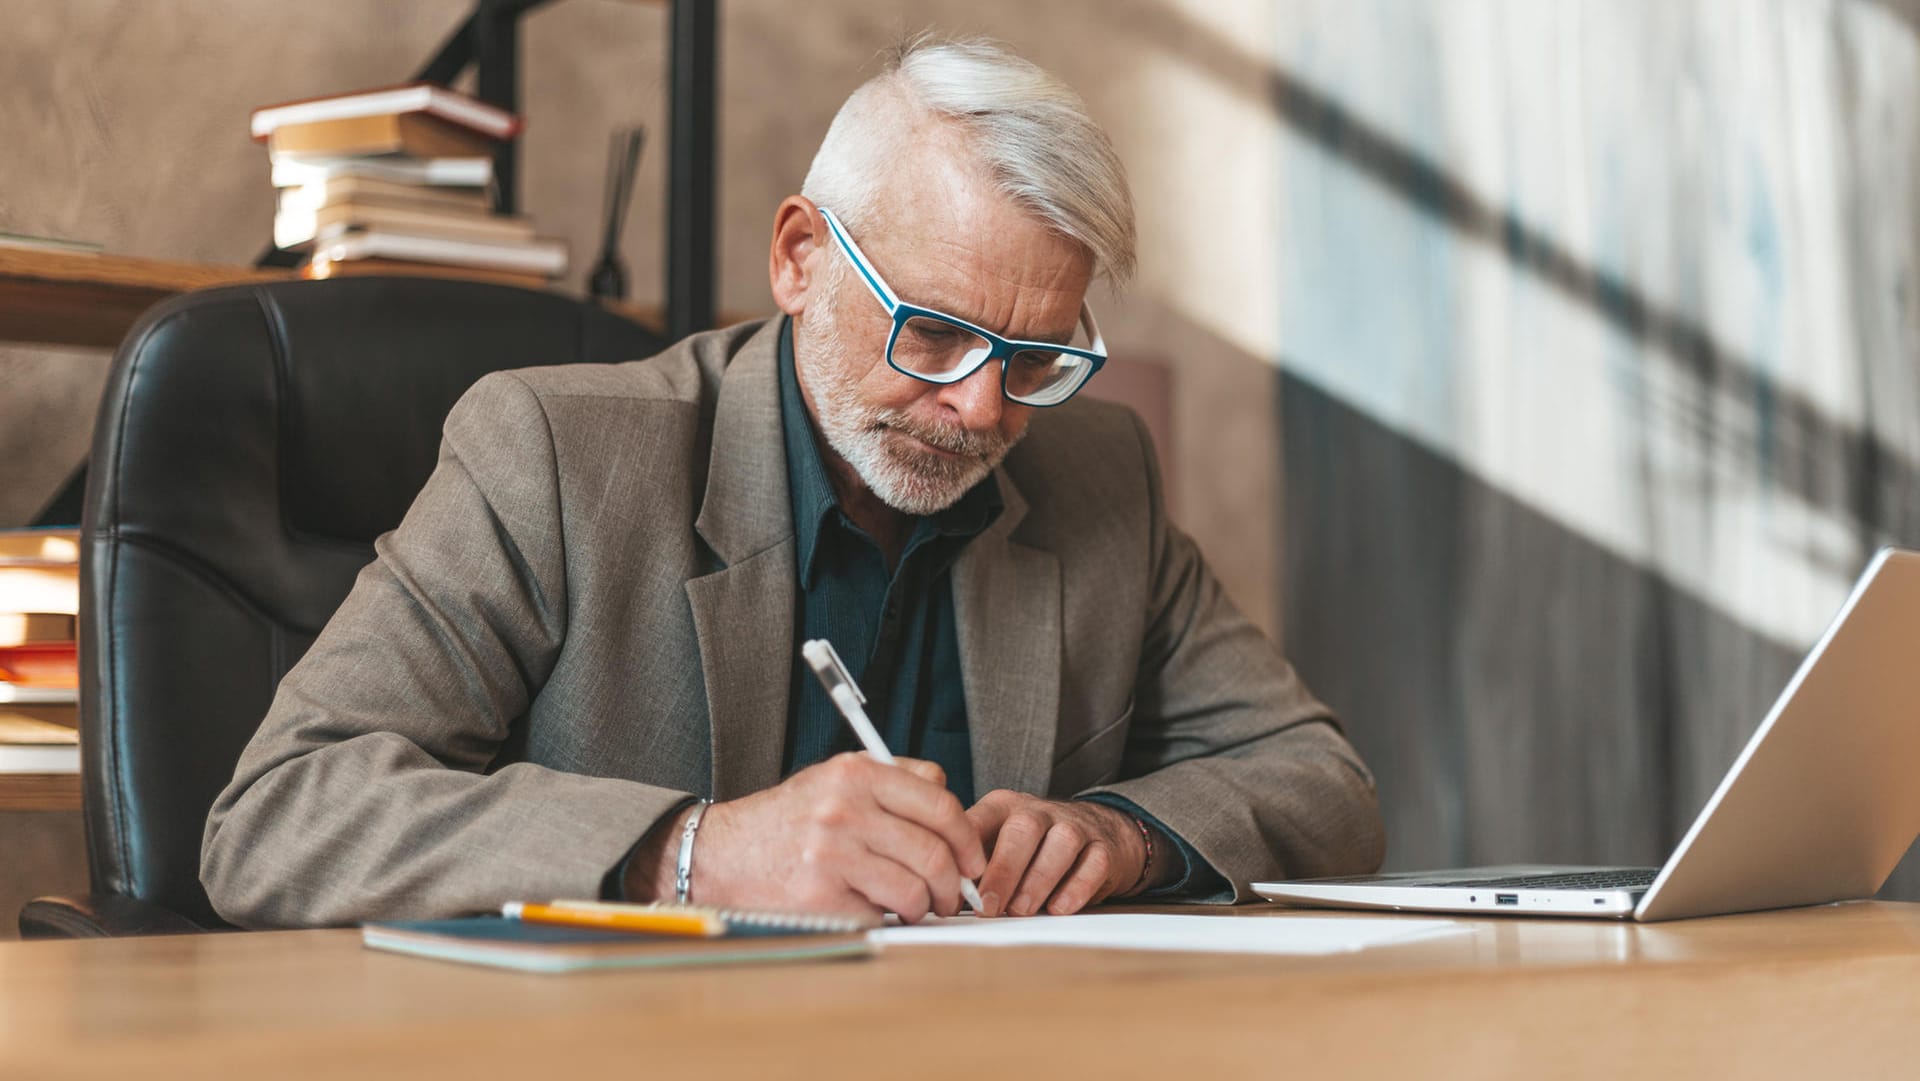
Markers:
point(951, 438)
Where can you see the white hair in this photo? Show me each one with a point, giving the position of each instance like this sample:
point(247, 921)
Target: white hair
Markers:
point(1028, 131)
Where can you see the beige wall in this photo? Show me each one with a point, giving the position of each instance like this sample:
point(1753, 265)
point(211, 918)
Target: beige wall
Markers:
point(126, 123)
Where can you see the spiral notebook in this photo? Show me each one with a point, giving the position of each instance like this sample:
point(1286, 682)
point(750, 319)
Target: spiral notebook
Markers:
point(751, 937)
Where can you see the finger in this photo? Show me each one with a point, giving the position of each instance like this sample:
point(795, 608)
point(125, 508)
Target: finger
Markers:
point(1013, 849)
point(1058, 850)
point(923, 769)
point(1085, 883)
point(989, 813)
point(888, 885)
point(908, 796)
point(920, 851)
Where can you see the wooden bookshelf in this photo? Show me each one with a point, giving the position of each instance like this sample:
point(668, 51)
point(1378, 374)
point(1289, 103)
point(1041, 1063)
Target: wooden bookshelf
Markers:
point(75, 298)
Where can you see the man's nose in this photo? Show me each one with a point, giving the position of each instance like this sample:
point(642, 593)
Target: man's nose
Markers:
point(976, 399)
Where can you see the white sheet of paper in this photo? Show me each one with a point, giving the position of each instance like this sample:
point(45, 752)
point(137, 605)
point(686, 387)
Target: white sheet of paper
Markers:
point(1145, 931)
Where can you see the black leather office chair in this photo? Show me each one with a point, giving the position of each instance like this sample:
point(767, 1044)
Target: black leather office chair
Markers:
point(252, 442)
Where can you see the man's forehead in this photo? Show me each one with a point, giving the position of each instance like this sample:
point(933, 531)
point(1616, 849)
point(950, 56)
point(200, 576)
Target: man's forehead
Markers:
point(944, 238)
point(934, 192)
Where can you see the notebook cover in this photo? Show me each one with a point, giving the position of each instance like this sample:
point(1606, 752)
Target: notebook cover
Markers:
point(536, 947)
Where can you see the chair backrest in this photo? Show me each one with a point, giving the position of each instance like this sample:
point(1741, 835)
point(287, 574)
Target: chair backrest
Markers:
point(252, 442)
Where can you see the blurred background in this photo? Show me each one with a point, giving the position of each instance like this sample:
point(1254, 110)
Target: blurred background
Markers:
point(1541, 372)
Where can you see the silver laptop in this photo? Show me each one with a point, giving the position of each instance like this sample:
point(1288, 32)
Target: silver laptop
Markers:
point(1819, 807)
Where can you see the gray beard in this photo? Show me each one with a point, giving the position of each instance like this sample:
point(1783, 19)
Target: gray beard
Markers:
point(868, 437)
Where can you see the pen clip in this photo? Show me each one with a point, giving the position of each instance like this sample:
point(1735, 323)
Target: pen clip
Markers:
point(822, 656)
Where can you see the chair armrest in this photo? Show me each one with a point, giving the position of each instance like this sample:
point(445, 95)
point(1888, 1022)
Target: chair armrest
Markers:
point(100, 915)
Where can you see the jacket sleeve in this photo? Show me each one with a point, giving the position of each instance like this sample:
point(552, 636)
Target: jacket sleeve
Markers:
point(1228, 749)
point(369, 791)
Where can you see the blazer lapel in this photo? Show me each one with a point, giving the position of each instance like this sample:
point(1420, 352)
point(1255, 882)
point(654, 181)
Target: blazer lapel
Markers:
point(743, 614)
point(1006, 598)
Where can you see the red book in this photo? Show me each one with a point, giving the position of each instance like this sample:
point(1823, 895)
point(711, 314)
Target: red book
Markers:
point(48, 664)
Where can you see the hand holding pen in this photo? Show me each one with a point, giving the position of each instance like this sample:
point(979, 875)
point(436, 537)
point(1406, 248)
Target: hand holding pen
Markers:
point(851, 702)
point(851, 834)
point(1048, 855)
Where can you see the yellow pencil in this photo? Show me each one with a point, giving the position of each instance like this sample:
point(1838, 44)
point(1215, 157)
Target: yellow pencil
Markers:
point(634, 918)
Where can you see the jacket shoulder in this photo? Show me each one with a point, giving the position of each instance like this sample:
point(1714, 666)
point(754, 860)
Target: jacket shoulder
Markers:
point(1085, 419)
point(1084, 442)
point(1083, 463)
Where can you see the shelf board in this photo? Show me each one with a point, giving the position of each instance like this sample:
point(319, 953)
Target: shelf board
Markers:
point(78, 298)
point(39, 791)
point(75, 298)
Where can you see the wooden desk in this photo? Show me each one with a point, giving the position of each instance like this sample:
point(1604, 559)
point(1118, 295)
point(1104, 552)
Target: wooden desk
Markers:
point(1827, 992)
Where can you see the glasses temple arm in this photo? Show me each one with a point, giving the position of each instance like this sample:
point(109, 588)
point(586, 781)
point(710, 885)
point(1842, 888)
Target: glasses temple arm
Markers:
point(860, 262)
point(1096, 344)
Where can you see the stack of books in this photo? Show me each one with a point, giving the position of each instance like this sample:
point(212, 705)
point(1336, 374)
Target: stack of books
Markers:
point(39, 650)
point(396, 180)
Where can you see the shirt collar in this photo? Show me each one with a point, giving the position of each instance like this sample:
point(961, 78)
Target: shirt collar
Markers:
point(811, 492)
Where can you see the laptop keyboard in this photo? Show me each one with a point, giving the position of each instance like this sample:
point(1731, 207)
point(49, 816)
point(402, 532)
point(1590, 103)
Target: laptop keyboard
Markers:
point(1626, 878)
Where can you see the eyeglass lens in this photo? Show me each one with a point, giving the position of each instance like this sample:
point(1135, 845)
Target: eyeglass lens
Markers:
point(937, 350)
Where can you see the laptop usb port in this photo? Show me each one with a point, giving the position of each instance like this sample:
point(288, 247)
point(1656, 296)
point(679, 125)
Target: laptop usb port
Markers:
point(1506, 898)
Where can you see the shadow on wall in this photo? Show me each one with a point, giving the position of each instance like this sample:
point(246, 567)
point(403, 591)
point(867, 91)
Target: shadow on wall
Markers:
point(1871, 468)
point(1555, 702)
point(1522, 692)
point(1518, 691)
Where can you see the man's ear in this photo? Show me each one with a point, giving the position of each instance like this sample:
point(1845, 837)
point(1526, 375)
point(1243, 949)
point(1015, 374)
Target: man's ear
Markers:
point(798, 233)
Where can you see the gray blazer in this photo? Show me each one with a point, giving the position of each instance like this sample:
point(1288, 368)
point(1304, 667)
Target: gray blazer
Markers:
point(588, 614)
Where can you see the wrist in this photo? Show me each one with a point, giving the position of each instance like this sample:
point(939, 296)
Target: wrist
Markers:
point(1150, 854)
point(1133, 848)
point(651, 872)
point(1141, 836)
point(1166, 864)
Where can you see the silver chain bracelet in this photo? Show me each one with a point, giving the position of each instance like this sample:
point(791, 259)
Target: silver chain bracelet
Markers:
point(683, 870)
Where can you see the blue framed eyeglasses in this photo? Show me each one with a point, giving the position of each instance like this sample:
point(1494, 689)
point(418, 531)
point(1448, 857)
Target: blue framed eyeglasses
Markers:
point(941, 348)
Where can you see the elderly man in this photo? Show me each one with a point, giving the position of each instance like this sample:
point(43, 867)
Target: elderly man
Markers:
point(572, 671)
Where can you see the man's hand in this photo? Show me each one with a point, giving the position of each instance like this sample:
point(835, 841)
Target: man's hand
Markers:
point(845, 835)
point(1062, 855)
